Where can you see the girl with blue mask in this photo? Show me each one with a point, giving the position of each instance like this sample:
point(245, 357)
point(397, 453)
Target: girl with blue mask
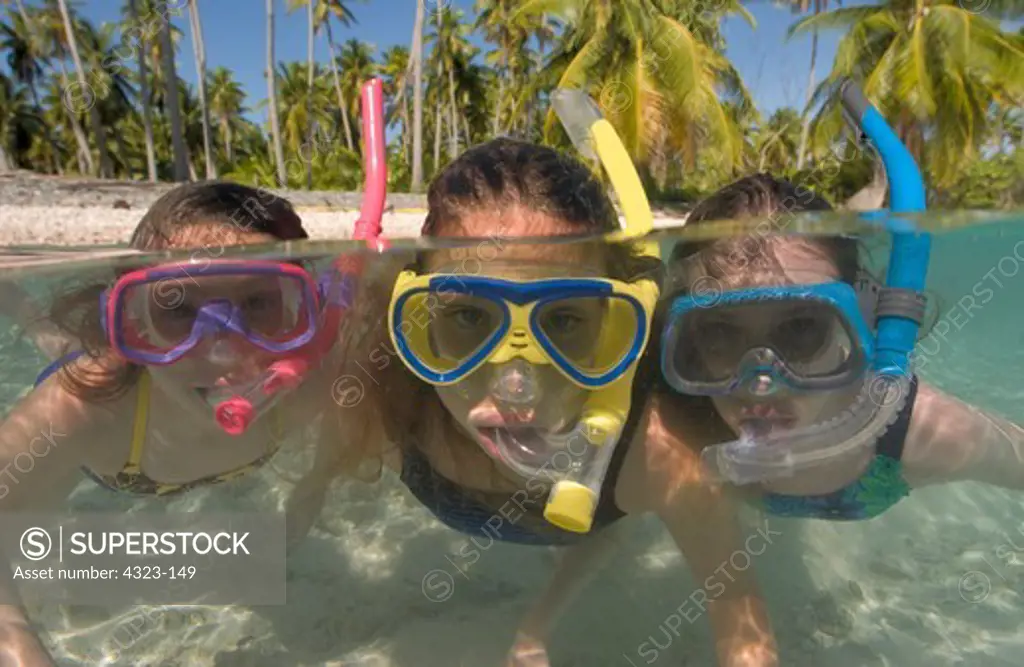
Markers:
point(808, 360)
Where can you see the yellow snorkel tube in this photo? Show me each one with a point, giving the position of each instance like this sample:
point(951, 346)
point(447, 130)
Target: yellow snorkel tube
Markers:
point(572, 503)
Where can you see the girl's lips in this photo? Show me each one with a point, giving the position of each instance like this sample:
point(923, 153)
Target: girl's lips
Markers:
point(763, 418)
point(489, 416)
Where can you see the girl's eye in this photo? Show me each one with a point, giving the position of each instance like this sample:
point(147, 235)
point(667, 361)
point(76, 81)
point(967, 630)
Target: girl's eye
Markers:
point(802, 337)
point(183, 311)
point(720, 331)
point(719, 338)
point(257, 302)
point(562, 321)
point(467, 317)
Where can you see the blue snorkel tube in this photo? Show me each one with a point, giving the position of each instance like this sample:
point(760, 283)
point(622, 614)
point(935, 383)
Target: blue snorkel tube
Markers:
point(901, 304)
point(899, 312)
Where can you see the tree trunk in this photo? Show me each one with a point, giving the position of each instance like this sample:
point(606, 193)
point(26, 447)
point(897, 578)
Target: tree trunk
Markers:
point(438, 128)
point(405, 127)
point(105, 170)
point(191, 165)
point(21, 10)
point(126, 156)
point(417, 104)
point(5, 163)
point(337, 89)
point(453, 134)
point(496, 126)
point(84, 155)
point(453, 122)
point(805, 131)
point(178, 147)
point(147, 112)
point(200, 52)
point(309, 95)
point(465, 125)
point(275, 126)
point(225, 133)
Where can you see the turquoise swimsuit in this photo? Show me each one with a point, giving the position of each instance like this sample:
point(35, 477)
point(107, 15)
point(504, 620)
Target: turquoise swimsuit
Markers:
point(878, 489)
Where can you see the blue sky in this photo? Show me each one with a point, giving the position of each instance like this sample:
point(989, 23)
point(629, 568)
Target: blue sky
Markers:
point(775, 70)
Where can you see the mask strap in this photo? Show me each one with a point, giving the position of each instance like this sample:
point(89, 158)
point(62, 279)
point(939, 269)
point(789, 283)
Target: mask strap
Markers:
point(868, 291)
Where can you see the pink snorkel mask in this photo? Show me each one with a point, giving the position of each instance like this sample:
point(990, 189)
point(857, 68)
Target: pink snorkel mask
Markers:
point(158, 315)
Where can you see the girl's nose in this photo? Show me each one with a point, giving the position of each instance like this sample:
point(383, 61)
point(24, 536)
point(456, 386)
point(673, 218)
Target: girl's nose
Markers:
point(516, 382)
point(761, 385)
point(224, 352)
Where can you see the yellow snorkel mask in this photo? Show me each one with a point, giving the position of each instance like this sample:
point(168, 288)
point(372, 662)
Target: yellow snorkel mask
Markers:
point(592, 331)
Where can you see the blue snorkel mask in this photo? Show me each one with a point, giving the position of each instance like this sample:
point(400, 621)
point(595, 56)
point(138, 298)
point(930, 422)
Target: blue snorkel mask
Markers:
point(817, 337)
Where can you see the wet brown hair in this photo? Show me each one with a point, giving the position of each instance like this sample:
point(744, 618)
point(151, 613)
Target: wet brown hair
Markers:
point(552, 193)
point(208, 216)
point(752, 255)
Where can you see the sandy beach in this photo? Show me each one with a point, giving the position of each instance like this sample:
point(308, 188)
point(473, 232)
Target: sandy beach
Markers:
point(37, 210)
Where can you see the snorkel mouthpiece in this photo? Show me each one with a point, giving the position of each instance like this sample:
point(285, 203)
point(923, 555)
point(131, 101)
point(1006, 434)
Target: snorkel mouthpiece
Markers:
point(235, 414)
point(573, 499)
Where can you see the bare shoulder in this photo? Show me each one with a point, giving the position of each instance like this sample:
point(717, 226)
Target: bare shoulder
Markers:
point(949, 439)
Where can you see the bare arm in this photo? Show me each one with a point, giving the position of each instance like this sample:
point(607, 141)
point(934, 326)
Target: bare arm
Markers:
point(41, 446)
point(576, 567)
point(703, 521)
point(950, 440)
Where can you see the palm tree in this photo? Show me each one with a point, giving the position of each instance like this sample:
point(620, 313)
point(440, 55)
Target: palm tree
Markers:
point(226, 97)
point(325, 10)
point(656, 68)
point(778, 140)
point(18, 122)
point(395, 69)
point(802, 6)
point(494, 20)
point(417, 104)
point(933, 68)
point(310, 69)
point(200, 52)
point(114, 94)
point(300, 105)
point(26, 58)
point(147, 112)
point(105, 170)
point(451, 43)
point(275, 126)
point(178, 148)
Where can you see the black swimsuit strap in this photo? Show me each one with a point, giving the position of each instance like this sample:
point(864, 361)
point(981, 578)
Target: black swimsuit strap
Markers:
point(892, 441)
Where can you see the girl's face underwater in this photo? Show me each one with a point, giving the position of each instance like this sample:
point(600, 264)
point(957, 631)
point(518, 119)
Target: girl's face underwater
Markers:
point(166, 312)
point(790, 330)
point(516, 402)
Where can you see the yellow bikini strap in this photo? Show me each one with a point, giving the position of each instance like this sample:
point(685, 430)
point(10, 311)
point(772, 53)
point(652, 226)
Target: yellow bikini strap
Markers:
point(139, 426)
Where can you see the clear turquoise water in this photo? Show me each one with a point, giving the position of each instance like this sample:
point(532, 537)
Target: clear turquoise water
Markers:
point(904, 589)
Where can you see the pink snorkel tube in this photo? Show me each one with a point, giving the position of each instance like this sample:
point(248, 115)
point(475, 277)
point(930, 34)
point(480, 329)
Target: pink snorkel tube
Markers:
point(235, 414)
point(375, 167)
